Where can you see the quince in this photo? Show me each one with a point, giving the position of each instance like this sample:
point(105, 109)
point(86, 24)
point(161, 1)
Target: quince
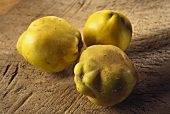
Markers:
point(50, 44)
point(107, 27)
point(105, 75)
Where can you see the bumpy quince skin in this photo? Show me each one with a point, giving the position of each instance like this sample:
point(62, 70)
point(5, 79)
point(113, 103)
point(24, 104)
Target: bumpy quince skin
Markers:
point(108, 27)
point(50, 44)
point(105, 75)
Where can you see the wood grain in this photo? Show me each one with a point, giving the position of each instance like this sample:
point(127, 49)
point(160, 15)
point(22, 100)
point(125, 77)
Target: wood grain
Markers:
point(26, 90)
point(7, 5)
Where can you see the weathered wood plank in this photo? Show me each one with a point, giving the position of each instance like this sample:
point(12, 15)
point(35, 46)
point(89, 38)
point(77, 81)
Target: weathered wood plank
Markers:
point(24, 89)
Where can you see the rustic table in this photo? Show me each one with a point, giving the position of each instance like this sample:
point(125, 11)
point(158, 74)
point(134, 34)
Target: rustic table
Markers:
point(26, 90)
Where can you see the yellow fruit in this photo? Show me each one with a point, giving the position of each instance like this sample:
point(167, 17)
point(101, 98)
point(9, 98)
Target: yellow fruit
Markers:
point(50, 44)
point(105, 75)
point(107, 27)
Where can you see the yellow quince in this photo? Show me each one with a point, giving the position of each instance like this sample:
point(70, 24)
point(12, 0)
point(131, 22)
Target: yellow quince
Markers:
point(50, 44)
point(107, 27)
point(105, 75)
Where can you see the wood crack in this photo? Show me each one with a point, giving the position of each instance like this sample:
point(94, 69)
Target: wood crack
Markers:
point(6, 70)
point(13, 75)
point(8, 90)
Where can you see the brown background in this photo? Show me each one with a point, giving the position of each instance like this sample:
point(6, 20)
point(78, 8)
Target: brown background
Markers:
point(26, 90)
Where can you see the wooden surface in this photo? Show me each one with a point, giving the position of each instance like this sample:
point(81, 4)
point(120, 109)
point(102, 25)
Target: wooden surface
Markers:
point(6, 5)
point(26, 90)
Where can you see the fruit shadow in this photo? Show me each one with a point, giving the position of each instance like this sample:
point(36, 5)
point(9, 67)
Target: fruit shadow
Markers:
point(69, 71)
point(152, 57)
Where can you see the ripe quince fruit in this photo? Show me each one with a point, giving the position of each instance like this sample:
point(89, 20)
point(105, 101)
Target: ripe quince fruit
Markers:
point(105, 75)
point(107, 27)
point(50, 44)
